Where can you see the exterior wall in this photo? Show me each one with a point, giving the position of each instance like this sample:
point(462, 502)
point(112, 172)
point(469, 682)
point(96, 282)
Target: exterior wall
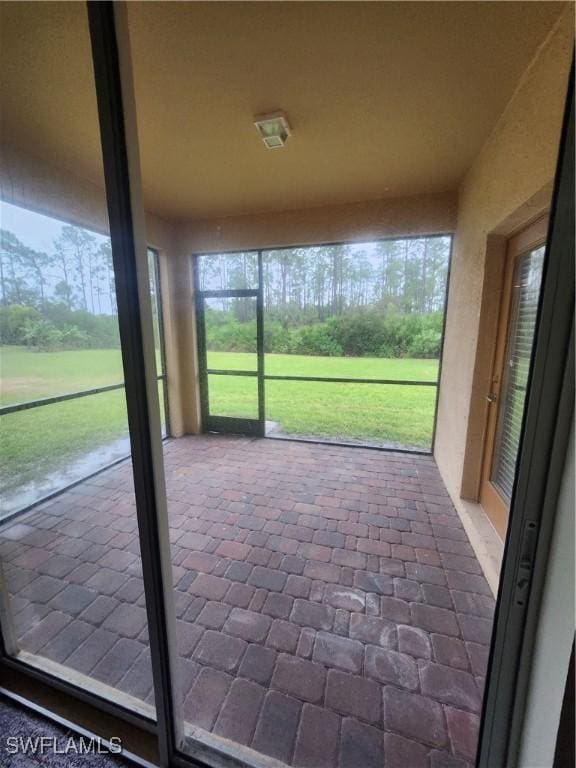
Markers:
point(507, 186)
point(393, 217)
point(39, 186)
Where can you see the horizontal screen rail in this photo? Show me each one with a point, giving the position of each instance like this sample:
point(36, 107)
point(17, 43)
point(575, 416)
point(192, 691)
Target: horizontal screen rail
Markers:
point(222, 372)
point(5, 410)
point(336, 380)
point(229, 293)
point(324, 379)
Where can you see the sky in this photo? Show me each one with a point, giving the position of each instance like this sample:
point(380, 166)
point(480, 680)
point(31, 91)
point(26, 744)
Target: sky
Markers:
point(33, 229)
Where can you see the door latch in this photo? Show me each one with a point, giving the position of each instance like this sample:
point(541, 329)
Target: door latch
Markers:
point(492, 397)
point(526, 562)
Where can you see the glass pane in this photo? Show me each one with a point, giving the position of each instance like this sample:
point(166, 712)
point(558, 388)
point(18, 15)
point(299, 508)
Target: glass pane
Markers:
point(365, 310)
point(45, 449)
point(233, 396)
point(376, 414)
point(228, 271)
point(522, 324)
point(231, 340)
point(71, 563)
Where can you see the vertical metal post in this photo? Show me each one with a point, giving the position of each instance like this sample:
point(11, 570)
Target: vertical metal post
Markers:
point(260, 347)
point(439, 377)
point(201, 344)
point(160, 311)
point(116, 109)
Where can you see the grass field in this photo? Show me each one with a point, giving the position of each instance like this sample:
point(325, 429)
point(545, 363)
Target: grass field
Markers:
point(36, 442)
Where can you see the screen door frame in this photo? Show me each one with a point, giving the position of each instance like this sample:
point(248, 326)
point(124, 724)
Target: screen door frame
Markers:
point(212, 422)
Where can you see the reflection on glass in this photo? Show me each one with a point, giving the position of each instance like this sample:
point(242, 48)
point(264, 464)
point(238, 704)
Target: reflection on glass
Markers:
point(71, 564)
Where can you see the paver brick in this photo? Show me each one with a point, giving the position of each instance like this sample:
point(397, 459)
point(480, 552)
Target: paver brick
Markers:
point(267, 578)
point(475, 629)
point(306, 643)
point(463, 729)
point(73, 599)
point(206, 696)
point(317, 740)
point(258, 663)
point(106, 581)
point(283, 636)
point(441, 759)
point(414, 716)
point(237, 571)
point(126, 620)
point(221, 651)
point(414, 642)
point(354, 696)
point(309, 614)
point(278, 605)
point(395, 610)
point(478, 655)
point(119, 658)
point(449, 685)
point(300, 678)
point(434, 619)
point(277, 725)
point(247, 625)
point(339, 652)
point(360, 745)
point(392, 667)
point(371, 629)
point(210, 587)
point(450, 651)
point(91, 651)
point(213, 615)
point(298, 586)
point(323, 571)
point(473, 604)
point(67, 640)
point(379, 583)
point(404, 753)
point(468, 582)
point(39, 635)
point(348, 598)
point(238, 716)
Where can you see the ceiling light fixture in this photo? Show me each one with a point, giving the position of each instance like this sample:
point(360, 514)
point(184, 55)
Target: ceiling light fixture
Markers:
point(273, 128)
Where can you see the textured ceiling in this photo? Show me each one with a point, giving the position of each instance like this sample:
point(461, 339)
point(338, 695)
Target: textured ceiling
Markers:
point(384, 98)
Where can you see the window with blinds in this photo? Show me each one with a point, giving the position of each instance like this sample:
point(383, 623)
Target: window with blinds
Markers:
point(524, 306)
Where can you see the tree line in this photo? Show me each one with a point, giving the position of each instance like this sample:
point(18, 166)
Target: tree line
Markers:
point(61, 297)
point(381, 299)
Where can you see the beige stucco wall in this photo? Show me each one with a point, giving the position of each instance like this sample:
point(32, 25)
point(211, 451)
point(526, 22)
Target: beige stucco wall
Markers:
point(507, 186)
point(421, 214)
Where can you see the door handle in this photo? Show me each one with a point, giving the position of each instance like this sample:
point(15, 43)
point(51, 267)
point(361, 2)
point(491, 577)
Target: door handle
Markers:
point(491, 397)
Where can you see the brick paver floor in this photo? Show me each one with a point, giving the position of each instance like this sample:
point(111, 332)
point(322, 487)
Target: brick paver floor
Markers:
point(330, 609)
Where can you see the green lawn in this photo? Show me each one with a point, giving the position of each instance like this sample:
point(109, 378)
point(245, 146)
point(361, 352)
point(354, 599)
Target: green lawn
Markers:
point(39, 441)
point(401, 415)
point(42, 440)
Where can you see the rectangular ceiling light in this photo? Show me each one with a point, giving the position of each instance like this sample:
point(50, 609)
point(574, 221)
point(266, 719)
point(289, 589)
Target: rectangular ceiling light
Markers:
point(273, 128)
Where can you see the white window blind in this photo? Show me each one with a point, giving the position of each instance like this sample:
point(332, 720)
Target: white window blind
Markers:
point(524, 307)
